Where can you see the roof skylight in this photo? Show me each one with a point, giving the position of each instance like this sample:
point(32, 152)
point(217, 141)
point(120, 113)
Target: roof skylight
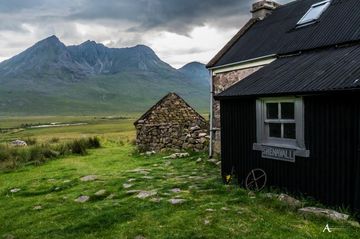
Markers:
point(314, 13)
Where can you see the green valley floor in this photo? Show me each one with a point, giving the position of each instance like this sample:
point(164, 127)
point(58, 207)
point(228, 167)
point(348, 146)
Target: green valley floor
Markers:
point(125, 195)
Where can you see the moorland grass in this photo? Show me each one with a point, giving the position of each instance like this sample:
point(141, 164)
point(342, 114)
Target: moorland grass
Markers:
point(211, 209)
point(12, 157)
point(55, 184)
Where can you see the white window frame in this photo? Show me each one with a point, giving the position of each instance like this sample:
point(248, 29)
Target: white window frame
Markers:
point(262, 132)
point(302, 22)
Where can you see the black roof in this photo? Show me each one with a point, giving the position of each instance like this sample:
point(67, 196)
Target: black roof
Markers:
point(332, 69)
point(277, 33)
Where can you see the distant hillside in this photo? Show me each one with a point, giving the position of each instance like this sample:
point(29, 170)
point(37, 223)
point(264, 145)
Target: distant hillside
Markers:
point(50, 78)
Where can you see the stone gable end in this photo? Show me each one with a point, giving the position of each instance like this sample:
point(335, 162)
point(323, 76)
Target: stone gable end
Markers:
point(173, 125)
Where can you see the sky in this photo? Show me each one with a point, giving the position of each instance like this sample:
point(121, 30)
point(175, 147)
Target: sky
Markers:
point(179, 31)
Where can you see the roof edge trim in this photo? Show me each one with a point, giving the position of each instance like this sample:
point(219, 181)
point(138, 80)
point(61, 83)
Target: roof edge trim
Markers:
point(259, 61)
point(230, 44)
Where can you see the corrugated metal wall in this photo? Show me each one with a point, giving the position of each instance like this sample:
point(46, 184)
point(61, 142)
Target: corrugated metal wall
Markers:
point(331, 174)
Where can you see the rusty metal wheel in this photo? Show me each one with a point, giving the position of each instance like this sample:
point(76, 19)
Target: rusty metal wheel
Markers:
point(256, 180)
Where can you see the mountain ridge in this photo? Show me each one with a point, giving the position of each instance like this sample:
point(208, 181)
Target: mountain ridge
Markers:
point(108, 80)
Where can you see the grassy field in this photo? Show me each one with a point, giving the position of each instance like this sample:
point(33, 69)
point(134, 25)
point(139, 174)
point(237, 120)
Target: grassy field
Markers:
point(45, 206)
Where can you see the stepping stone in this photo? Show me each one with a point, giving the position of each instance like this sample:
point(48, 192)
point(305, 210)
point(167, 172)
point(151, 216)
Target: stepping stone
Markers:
point(290, 200)
point(139, 170)
point(334, 215)
point(88, 178)
point(15, 190)
point(111, 196)
point(126, 185)
point(146, 194)
point(156, 200)
point(82, 199)
point(176, 190)
point(175, 201)
point(37, 208)
point(101, 192)
point(133, 191)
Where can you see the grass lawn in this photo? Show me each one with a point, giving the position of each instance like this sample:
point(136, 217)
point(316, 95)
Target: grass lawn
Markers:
point(210, 209)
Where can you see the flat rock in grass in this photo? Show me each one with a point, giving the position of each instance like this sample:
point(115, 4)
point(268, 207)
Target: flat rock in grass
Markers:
point(88, 178)
point(334, 215)
point(37, 208)
point(210, 210)
point(289, 200)
point(82, 199)
point(354, 224)
point(101, 192)
point(139, 170)
point(157, 200)
point(175, 201)
point(127, 185)
point(15, 190)
point(176, 190)
point(146, 194)
point(111, 196)
point(177, 155)
point(133, 191)
point(139, 237)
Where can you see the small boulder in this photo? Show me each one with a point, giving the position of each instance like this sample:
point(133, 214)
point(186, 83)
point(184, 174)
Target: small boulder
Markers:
point(334, 215)
point(176, 190)
point(18, 143)
point(127, 185)
point(88, 178)
point(82, 199)
point(290, 200)
point(37, 208)
point(15, 190)
point(146, 194)
point(175, 201)
point(101, 192)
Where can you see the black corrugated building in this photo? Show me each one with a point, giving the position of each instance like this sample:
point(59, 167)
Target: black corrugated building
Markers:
point(298, 118)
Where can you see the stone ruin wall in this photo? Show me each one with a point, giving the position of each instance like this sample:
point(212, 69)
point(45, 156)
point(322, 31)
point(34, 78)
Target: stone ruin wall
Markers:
point(172, 137)
point(221, 82)
point(172, 125)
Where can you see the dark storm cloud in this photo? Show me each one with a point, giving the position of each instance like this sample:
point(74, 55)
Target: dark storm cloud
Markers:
point(173, 15)
point(178, 16)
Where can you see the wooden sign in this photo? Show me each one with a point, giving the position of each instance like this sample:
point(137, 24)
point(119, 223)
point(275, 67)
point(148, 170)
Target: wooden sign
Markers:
point(278, 153)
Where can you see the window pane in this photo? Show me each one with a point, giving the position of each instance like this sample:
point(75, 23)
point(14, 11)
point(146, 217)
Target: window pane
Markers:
point(290, 131)
point(275, 130)
point(287, 111)
point(272, 111)
point(314, 13)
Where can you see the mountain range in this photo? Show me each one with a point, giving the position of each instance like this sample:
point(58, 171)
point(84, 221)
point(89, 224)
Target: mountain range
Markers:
point(51, 78)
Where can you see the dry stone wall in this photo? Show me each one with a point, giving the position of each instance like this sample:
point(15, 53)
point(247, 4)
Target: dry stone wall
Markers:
point(172, 125)
point(221, 82)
